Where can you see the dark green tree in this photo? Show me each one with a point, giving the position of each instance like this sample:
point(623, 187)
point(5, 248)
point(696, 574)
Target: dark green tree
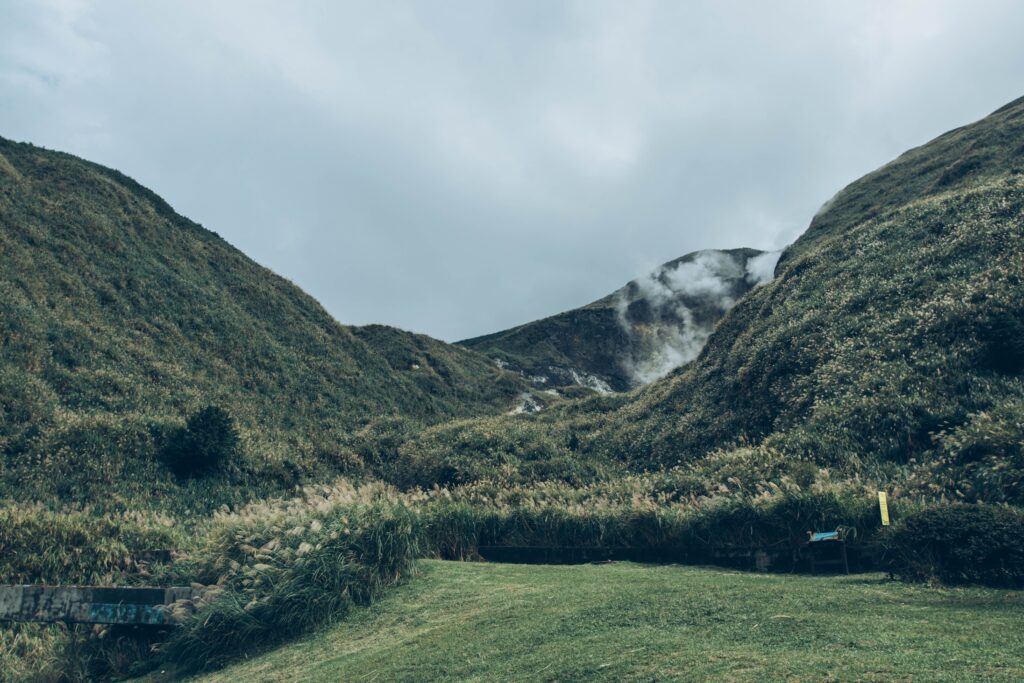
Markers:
point(1004, 335)
point(207, 441)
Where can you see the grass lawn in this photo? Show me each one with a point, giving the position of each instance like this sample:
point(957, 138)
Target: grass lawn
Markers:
point(477, 621)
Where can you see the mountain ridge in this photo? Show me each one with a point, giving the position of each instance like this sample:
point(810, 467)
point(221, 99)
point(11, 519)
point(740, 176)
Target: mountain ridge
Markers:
point(119, 315)
point(638, 333)
point(888, 347)
point(952, 160)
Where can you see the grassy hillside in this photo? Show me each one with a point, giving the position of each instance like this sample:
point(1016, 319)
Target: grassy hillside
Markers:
point(876, 335)
point(955, 161)
point(467, 621)
point(887, 346)
point(865, 346)
point(635, 334)
point(118, 318)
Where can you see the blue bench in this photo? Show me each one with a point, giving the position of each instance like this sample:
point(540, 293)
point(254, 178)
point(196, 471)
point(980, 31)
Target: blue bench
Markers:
point(827, 548)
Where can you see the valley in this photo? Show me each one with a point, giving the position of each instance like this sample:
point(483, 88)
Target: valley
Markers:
point(160, 391)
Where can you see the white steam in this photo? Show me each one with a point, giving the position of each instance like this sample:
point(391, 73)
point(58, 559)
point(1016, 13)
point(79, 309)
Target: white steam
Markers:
point(670, 313)
point(761, 268)
point(665, 347)
point(526, 403)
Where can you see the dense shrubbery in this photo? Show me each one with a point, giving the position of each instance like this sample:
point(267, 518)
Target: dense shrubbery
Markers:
point(958, 544)
point(207, 441)
point(517, 451)
point(38, 545)
point(981, 459)
point(36, 652)
point(83, 459)
point(280, 568)
point(275, 569)
point(1003, 338)
point(455, 529)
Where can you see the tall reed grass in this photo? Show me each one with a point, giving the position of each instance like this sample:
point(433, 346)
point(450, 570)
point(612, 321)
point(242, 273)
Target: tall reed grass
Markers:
point(283, 569)
point(40, 545)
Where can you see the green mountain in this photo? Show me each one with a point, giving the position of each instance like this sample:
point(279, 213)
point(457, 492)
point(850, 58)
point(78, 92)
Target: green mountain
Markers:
point(118, 318)
point(886, 353)
point(888, 342)
point(638, 333)
point(955, 161)
point(893, 331)
point(889, 345)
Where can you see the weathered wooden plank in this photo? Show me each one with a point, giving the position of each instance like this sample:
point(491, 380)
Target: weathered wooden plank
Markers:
point(95, 604)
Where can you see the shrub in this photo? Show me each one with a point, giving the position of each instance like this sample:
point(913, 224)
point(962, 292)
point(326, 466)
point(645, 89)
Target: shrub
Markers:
point(781, 520)
point(1003, 336)
point(454, 525)
point(35, 652)
point(512, 452)
point(983, 458)
point(958, 544)
point(208, 439)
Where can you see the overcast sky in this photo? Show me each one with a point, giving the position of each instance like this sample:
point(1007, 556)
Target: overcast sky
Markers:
point(456, 168)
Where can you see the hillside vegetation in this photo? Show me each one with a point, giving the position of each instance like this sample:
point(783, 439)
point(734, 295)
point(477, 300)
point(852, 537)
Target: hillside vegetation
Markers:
point(119, 318)
point(890, 347)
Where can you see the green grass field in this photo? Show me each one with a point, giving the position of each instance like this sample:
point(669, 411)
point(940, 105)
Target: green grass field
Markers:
point(623, 621)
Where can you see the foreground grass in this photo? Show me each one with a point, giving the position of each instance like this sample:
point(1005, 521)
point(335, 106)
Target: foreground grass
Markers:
point(625, 621)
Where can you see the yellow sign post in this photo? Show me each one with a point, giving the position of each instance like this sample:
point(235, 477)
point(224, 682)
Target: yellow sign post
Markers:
point(883, 506)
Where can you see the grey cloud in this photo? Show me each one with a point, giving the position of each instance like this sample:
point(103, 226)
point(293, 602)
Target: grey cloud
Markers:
point(459, 168)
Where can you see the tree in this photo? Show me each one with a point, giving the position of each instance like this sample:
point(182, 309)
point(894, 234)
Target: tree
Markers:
point(208, 439)
point(1005, 336)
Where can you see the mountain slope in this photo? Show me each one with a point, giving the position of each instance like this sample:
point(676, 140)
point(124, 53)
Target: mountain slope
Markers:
point(888, 348)
point(118, 317)
point(638, 333)
point(954, 161)
point(890, 326)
